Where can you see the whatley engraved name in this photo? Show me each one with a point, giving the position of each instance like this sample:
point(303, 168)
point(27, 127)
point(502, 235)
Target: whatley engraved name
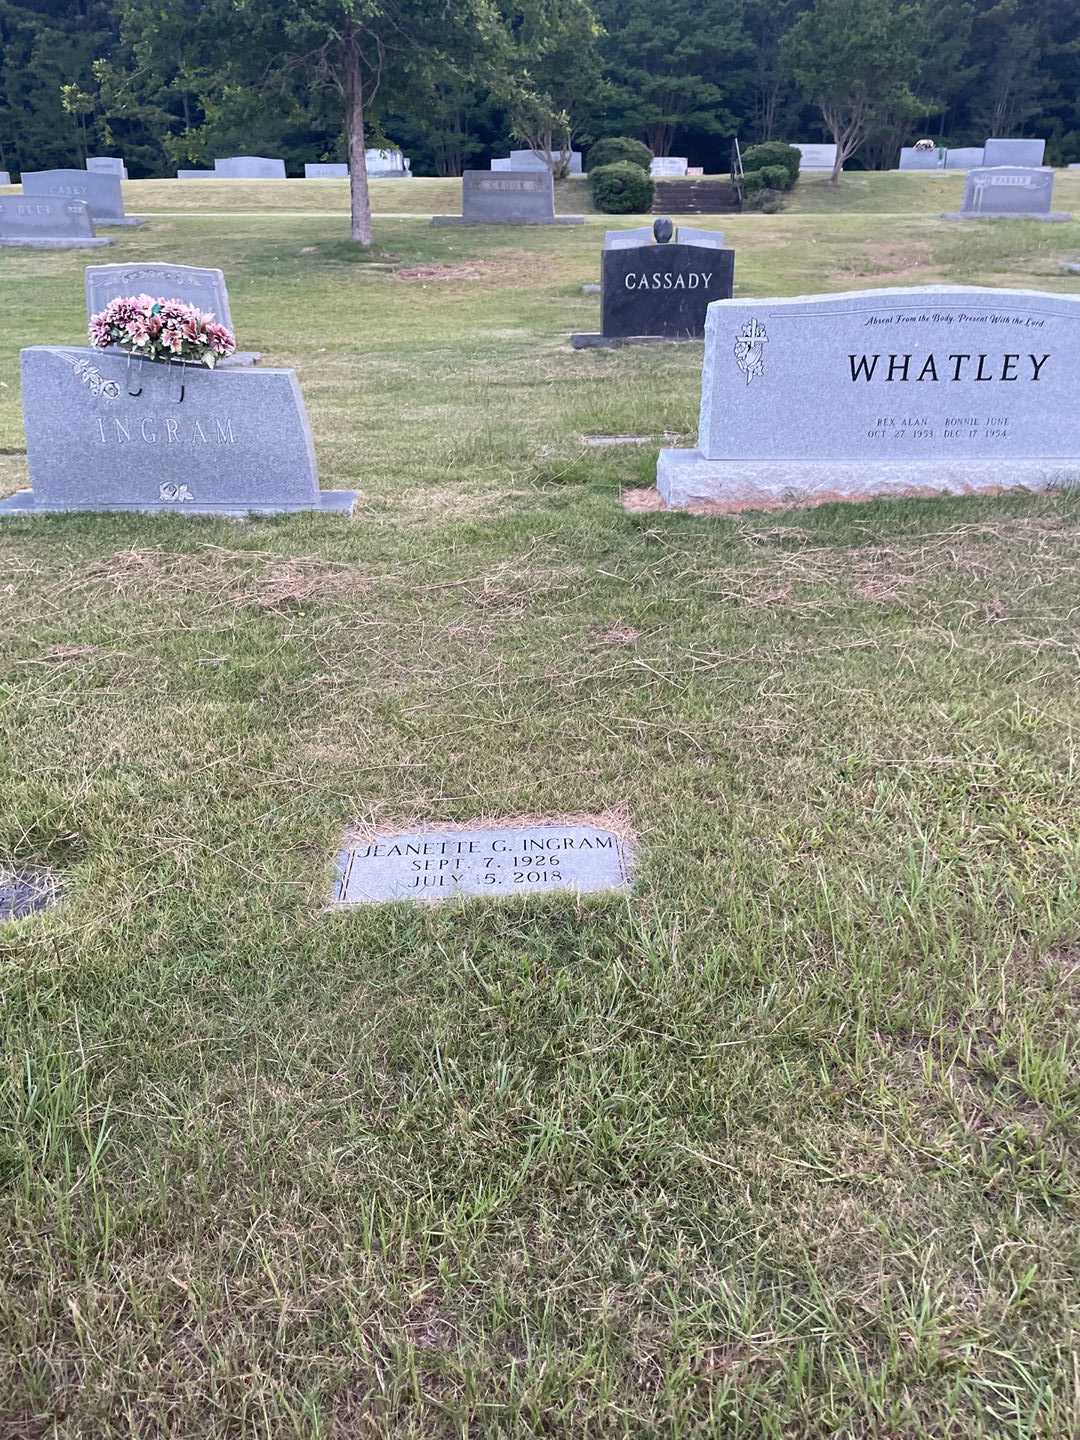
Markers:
point(951, 368)
point(164, 430)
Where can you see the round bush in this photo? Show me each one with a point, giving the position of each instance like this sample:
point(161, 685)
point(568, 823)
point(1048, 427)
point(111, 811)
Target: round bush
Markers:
point(618, 150)
point(623, 189)
point(774, 153)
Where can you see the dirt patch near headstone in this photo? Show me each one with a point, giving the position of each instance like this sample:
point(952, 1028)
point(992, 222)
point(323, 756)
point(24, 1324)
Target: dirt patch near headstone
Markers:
point(473, 270)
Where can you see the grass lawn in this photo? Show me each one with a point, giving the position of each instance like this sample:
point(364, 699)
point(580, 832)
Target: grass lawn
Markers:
point(783, 1145)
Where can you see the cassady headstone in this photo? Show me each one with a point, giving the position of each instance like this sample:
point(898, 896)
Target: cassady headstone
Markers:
point(502, 861)
point(196, 285)
point(660, 289)
point(916, 391)
point(668, 166)
point(326, 172)
point(529, 160)
point(1009, 193)
point(912, 158)
point(48, 222)
point(511, 197)
point(965, 157)
point(101, 192)
point(817, 157)
point(1014, 152)
point(249, 167)
point(108, 432)
point(107, 165)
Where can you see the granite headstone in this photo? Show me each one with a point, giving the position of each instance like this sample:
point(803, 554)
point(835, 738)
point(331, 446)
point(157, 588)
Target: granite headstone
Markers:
point(668, 166)
point(249, 167)
point(497, 862)
point(102, 193)
point(529, 160)
point(196, 285)
point(5, 177)
point(1009, 192)
point(874, 392)
point(817, 157)
point(964, 157)
point(1014, 152)
point(48, 222)
point(199, 175)
point(660, 288)
point(502, 163)
point(107, 165)
point(510, 197)
point(914, 159)
point(326, 172)
point(105, 431)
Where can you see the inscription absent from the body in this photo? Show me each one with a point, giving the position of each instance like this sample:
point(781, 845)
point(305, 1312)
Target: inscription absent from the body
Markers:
point(482, 862)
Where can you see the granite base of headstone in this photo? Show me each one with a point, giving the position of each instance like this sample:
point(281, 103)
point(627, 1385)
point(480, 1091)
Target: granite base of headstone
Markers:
point(903, 392)
point(509, 197)
point(48, 222)
point(249, 167)
point(492, 862)
point(101, 193)
point(1028, 153)
point(106, 431)
point(658, 286)
point(1009, 192)
point(196, 285)
point(326, 172)
point(107, 165)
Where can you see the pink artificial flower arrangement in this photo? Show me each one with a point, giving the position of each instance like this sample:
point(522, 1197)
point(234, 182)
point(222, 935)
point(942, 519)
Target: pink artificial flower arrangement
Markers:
point(161, 330)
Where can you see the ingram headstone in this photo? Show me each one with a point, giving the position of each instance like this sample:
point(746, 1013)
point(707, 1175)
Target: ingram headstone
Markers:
point(965, 157)
point(442, 864)
point(107, 432)
point(659, 289)
point(529, 160)
point(817, 157)
point(326, 172)
point(1009, 192)
point(100, 192)
point(912, 159)
point(250, 167)
point(1014, 152)
point(883, 392)
point(48, 223)
point(509, 197)
point(107, 165)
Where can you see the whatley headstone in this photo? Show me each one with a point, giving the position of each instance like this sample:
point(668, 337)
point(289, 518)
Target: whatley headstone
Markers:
point(196, 285)
point(509, 197)
point(1009, 192)
point(249, 167)
point(660, 284)
point(875, 392)
point(48, 222)
point(445, 863)
point(107, 432)
point(101, 193)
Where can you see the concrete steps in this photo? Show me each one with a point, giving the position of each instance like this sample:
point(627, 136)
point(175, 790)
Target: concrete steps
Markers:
point(695, 197)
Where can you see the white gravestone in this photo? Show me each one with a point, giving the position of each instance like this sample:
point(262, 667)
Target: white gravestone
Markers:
point(107, 165)
point(817, 157)
point(249, 167)
point(876, 392)
point(5, 177)
point(969, 157)
point(326, 172)
point(668, 167)
point(529, 160)
point(913, 159)
point(1014, 152)
point(497, 862)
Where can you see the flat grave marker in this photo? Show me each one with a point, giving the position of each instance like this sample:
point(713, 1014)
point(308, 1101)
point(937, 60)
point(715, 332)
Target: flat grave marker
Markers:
point(921, 391)
point(326, 172)
point(443, 863)
point(250, 167)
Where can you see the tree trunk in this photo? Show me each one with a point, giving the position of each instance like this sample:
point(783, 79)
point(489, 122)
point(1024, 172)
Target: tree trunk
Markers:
point(359, 196)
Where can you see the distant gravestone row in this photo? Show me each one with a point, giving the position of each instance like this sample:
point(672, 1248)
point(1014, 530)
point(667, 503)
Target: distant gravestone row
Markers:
point(509, 197)
point(994, 153)
point(381, 165)
point(531, 160)
point(917, 391)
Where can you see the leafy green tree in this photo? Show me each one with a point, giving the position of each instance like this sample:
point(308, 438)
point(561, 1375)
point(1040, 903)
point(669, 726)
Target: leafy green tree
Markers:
point(674, 67)
point(549, 74)
point(855, 60)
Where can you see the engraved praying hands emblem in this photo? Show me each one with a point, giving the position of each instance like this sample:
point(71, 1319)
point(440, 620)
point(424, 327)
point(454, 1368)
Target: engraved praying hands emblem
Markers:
point(749, 352)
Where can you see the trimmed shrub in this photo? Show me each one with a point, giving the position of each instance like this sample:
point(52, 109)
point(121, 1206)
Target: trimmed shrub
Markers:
point(623, 189)
point(772, 155)
point(619, 150)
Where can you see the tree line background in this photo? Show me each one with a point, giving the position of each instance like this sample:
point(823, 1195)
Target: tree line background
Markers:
point(170, 83)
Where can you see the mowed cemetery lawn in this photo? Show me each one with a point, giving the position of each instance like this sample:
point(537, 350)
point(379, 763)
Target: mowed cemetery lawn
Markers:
point(785, 1143)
